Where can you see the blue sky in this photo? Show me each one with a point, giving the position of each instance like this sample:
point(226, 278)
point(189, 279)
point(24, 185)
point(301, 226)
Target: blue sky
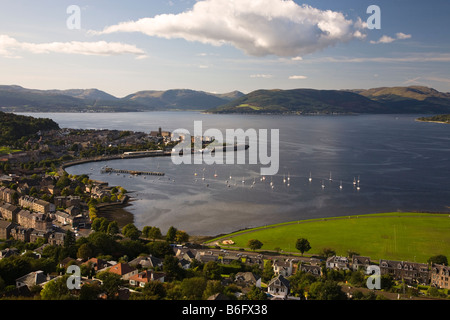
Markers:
point(224, 45)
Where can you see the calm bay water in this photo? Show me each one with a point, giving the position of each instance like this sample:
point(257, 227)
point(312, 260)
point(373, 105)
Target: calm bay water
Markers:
point(402, 164)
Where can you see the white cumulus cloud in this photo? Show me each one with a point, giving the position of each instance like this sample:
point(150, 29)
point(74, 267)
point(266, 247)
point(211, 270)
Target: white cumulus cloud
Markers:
point(257, 27)
point(387, 39)
point(10, 47)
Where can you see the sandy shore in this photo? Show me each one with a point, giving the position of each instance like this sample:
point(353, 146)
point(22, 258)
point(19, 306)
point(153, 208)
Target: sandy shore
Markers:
point(117, 213)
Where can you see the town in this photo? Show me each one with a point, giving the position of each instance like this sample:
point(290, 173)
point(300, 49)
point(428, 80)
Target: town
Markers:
point(51, 220)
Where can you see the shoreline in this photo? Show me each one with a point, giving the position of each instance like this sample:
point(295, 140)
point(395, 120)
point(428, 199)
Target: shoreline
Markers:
point(116, 212)
point(431, 121)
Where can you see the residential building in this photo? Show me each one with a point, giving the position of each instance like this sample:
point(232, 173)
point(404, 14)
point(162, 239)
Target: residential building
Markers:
point(142, 278)
point(360, 262)
point(32, 279)
point(204, 257)
point(34, 204)
point(411, 272)
point(247, 279)
point(56, 238)
point(41, 222)
point(440, 276)
point(36, 234)
point(285, 268)
point(315, 270)
point(7, 194)
point(21, 233)
point(9, 212)
point(124, 270)
point(147, 262)
point(97, 264)
point(338, 263)
point(5, 229)
point(279, 287)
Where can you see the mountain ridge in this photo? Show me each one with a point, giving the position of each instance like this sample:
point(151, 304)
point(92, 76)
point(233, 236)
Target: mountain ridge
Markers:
point(14, 98)
point(412, 99)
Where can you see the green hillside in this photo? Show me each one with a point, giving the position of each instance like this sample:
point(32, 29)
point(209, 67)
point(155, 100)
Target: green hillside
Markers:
point(301, 101)
point(14, 127)
point(413, 99)
point(308, 101)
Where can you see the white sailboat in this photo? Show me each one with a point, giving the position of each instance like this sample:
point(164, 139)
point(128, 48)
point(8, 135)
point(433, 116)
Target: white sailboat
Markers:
point(310, 178)
point(340, 186)
point(323, 186)
point(331, 179)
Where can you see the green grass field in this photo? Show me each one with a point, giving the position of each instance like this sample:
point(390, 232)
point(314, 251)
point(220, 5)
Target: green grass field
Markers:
point(396, 236)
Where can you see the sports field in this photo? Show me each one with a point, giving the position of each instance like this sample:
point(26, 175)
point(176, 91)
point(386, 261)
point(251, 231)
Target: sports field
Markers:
point(395, 236)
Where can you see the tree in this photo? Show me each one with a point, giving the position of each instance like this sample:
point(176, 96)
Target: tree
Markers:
point(90, 291)
point(111, 284)
point(328, 252)
point(69, 239)
point(181, 236)
point(212, 287)
point(254, 244)
point(171, 233)
point(256, 293)
point(328, 290)
point(152, 233)
point(113, 228)
point(302, 245)
point(211, 270)
point(193, 288)
point(98, 224)
point(130, 231)
point(439, 259)
point(56, 289)
point(85, 251)
point(171, 267)
point(268, 272)
point(154, 290)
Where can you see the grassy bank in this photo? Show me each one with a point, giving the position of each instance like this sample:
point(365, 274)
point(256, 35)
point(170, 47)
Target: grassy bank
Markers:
point(397, 236)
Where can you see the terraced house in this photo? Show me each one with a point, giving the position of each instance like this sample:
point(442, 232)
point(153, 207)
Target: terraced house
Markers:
point(411, 272)
point(34, 204)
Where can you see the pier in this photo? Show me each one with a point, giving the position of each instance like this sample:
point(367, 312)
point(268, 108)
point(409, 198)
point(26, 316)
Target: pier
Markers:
point(133, 172)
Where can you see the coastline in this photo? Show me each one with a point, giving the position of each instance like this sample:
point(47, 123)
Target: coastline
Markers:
point(116, 212)
point(431, 121)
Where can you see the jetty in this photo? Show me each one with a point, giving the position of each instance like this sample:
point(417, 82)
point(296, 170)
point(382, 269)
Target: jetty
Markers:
point(133, 172)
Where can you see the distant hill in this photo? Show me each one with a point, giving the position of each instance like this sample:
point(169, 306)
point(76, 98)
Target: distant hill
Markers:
point(19, 99)
point(181, 99)
point(86, 94)
point(300, 101)
point(309, 101)
point(413, 99)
